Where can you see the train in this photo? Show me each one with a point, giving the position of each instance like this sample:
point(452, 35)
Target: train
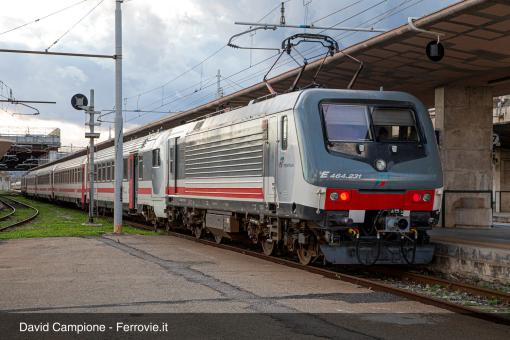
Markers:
point(339, 176)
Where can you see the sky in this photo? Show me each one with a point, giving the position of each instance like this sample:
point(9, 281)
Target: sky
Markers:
point(165, 43)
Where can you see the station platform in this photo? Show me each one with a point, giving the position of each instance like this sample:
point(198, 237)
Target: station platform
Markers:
point(478, 254)
point(210, 292)
point(501, 218)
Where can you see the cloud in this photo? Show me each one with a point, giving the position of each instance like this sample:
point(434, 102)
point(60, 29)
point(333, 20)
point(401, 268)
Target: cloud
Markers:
point(72, 73)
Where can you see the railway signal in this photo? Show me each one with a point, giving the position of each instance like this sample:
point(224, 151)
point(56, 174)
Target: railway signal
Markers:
point(80, 102)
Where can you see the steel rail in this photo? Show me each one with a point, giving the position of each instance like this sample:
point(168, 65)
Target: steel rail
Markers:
point(367, 283)
point(459, 286)
point(13, 210)
point(26, 220)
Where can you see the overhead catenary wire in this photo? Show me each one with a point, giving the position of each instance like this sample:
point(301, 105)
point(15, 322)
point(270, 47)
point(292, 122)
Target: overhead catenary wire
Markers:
point(42, 18)
point(391, 12)
point(212, 84)
point(335, 12)
point(74, 25)
point(381, 16)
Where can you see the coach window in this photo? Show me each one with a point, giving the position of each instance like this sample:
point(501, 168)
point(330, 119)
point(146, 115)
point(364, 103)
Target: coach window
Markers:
point(125, 168)
point(140, 167)
point(156, 161)
point(284, 132)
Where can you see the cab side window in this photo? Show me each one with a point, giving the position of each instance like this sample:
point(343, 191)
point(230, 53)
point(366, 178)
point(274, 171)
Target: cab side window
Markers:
point(284, 130)
point(156, 160)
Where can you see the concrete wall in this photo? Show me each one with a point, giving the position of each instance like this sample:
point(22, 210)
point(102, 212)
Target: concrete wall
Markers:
point(464, 119)
point(502, 180)
point(472, 262)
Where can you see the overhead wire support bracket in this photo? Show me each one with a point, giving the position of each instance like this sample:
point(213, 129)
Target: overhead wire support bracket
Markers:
point(25, 103)
point(313, 27)
point(265, 27)
point(28, 114)
point(16, 101)
point(88, 55)
point(410, 22)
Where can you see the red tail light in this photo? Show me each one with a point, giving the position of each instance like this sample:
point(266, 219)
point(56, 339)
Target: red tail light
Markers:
point(345, 196)
point(416, 197)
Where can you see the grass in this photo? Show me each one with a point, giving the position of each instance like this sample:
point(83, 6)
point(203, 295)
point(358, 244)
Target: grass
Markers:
point(59, 221)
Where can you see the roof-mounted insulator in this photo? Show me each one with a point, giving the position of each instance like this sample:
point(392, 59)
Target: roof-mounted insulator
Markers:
point(282, 17)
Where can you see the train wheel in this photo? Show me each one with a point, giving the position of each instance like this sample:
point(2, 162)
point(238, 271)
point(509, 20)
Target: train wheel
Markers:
point(306, 253)
point(197, 230)
point(218, 238)
point(267, 247)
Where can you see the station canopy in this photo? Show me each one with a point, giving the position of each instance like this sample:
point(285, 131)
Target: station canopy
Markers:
point(477, 53)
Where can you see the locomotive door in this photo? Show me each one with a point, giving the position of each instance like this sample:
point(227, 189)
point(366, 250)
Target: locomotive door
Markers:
point(132, 179)
point(83, 175)
point(271, 160)
point(172, 166)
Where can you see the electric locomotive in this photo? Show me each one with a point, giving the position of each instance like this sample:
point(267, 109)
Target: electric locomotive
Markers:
point(342, 176)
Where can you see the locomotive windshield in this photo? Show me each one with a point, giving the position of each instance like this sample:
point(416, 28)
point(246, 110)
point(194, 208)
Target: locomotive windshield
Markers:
point(394, 125)
point(361, 123)
point(346, 123)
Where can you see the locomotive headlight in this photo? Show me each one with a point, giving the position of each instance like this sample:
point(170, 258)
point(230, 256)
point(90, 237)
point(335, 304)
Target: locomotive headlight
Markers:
point(333, 196)
point(380, 165)
point(426, 197)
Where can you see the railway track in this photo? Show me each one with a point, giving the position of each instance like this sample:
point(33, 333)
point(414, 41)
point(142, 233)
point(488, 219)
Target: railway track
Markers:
point(376, 284)
point(13, 216)
point(453, 285)
point(10, 213)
